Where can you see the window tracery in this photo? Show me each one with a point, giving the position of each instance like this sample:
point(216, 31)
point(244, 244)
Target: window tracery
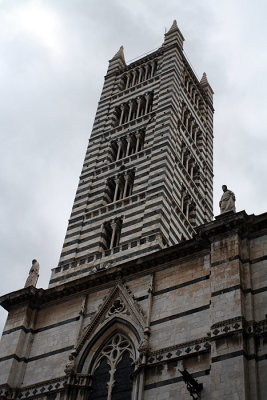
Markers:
point(112, 370)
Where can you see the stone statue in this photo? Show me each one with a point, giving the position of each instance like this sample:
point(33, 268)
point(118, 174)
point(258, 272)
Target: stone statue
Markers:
point(69, 369)
point(33, 274)
point(227, 202)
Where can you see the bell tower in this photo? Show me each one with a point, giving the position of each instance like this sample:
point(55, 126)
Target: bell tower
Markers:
point(146, 181)
point(151, 297)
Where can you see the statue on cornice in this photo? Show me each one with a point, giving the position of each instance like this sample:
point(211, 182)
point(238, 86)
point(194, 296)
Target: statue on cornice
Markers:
point(227, 202)
point(33, 274)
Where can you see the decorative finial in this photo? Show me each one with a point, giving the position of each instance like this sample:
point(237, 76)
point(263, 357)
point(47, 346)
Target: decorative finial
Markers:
point(173, 27)
point(119, 54)
point(204, 80)
point(227, 202)
point(33, 274)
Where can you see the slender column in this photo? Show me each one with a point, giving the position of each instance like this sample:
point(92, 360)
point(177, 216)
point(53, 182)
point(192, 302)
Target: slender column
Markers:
point(152, 69)
point(146, 72)
point(147, 97)
point(130, 110)
point(82, 314)
point(128, 146)
point(187, 162)
point(130, 187)
point(134, 77)
point(187, 85)
point(196, 134)
point(140, 74)
point(113, 227)
point(122, 106)
point(187, 120)
point(119, 149)
point(139, 99)
point(182, 200)
point(112, 152)
point(191, 127)
point(183, 114)
point(192, 170)
point(183, 154)
point(145, 346)
point(128, 81)
point(126, 180)
point(190, 90)
point(197, 101)
point(138, 136)
point(117, 182)
point(187, 209)
point(196, 175)
point(122, 83)
point(194, 96)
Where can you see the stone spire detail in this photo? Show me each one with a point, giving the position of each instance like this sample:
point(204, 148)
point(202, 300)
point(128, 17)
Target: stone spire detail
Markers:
point(174, 35)
point(119, 54)
point(205, 83)
point(117, 62)
point(204, 80)
point(174, 27)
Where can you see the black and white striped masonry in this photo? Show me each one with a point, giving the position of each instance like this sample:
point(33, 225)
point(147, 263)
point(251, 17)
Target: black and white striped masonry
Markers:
point(147, 178)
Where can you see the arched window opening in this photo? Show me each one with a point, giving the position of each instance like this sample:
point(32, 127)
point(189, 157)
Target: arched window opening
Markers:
point(113, 370)
point(111, 233)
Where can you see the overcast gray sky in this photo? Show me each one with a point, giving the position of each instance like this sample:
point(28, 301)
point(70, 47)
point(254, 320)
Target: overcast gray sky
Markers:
point(53, 57)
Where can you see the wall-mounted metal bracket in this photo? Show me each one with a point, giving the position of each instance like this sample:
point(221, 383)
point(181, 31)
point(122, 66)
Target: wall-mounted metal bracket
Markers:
point(193, 387)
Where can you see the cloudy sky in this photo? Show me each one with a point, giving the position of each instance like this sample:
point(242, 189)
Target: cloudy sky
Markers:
point(53, 57)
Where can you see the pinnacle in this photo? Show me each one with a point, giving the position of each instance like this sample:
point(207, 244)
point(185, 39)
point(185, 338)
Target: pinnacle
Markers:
point(174, 27)
point(204, 80)
point(119, 54)
point(205, 83)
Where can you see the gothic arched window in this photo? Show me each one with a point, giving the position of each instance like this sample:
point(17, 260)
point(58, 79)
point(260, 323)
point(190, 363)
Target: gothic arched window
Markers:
point(113, 370)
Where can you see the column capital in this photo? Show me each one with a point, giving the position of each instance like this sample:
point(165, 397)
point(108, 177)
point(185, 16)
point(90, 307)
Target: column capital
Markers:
point(113, 224)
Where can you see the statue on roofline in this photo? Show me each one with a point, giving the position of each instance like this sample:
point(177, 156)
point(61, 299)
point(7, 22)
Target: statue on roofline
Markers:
point(33, 274)
point(227, 202)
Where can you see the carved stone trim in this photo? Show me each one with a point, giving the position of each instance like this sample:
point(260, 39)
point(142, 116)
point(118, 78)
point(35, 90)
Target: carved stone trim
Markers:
point(128, 306)
point(6, 392)
point(179, 351)
point(227, 327)
point(33, 391)
point(258, 329)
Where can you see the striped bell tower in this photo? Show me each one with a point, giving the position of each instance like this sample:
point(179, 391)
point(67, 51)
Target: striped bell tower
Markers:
point(146, 181)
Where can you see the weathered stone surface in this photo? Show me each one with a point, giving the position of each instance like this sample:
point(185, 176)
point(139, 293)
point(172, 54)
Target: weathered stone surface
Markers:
point(175, 304)
point(206, 314)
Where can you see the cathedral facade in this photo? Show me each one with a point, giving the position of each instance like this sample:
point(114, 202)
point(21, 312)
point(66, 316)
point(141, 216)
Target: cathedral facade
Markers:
point(151, 298)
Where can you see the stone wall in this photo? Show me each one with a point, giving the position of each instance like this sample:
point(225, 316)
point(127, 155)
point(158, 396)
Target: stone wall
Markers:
point(201, 305)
